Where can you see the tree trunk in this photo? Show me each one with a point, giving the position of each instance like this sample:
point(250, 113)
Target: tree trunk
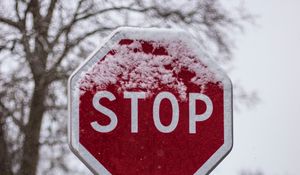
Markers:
point(5, 162)
point(31, 144)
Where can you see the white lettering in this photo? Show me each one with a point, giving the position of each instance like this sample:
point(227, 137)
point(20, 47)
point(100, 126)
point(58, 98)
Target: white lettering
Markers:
point(113, 118)
point(175, 112)
point(134, 96)
point(192, 110)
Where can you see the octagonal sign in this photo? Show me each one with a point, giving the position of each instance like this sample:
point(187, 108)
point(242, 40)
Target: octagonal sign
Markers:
point(149, 102)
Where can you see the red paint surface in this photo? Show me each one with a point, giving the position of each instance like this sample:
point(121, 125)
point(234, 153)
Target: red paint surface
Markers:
point(149, 151)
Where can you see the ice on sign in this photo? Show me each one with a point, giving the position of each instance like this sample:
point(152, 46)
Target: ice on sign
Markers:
point(149, 67)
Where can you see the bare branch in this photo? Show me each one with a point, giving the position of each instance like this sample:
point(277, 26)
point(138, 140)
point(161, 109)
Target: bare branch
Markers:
point(67, 28)
point(34, 8)
point(77, 18)
point(6, 112)
point(140, 10)
point(52, 143)
point(69, 45)
point(49, 15)
point(17, 10)
point(50, 10)
point(10, 22)
point(55, 75)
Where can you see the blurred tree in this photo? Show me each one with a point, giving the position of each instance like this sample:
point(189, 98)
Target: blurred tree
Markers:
point(43, 41)
point(248, 172)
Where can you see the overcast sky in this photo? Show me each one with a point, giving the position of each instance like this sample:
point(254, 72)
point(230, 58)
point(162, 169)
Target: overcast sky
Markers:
point(267, 59)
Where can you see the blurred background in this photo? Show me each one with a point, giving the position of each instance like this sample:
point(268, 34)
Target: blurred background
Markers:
point(43, 41)
point(267, 136)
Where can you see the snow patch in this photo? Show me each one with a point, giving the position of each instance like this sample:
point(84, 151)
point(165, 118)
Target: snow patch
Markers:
point(130, 68)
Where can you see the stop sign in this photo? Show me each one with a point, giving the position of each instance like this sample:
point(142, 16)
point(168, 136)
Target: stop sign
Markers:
point(149, 102)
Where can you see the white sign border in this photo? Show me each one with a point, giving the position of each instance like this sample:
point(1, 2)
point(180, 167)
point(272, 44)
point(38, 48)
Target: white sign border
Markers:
point(145, 33)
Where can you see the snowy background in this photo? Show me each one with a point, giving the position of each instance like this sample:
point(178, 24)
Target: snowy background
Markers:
point(267, 58)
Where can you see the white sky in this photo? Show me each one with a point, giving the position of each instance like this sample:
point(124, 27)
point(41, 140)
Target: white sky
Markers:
point(267, 59)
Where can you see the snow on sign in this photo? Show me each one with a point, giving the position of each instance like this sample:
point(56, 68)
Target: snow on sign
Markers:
point(148, 102)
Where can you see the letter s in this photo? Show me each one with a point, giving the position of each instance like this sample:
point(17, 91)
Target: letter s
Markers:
point(112, 116)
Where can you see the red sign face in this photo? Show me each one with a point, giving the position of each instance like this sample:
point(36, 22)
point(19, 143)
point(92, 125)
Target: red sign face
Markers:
point(148, 102)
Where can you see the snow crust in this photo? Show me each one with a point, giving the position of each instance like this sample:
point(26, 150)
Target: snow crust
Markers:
point(133, 69)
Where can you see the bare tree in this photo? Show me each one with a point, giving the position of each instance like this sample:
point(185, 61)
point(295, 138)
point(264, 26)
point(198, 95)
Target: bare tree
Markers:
point(41, 43)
